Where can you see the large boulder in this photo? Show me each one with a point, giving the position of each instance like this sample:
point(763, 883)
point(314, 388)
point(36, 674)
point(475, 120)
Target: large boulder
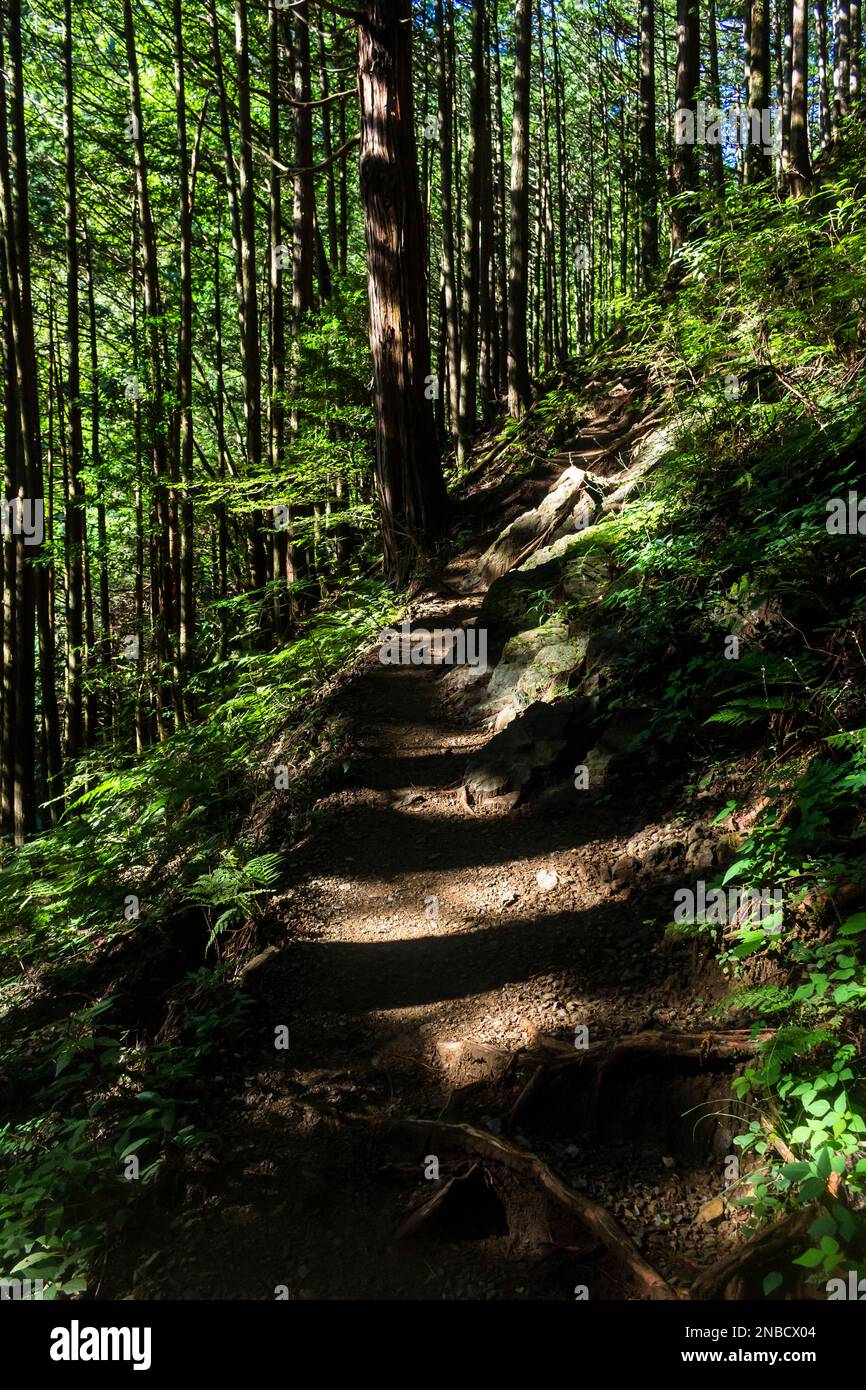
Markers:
point(575, 567)
point(528, 748)
point(621, 748)
point(535, 665)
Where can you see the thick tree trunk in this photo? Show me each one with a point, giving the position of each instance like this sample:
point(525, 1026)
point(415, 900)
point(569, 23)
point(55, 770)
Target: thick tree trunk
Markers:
point(409, 478)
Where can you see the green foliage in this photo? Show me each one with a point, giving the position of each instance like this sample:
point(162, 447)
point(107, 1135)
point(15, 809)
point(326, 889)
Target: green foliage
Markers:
point(89, 1091)
point(234, 888)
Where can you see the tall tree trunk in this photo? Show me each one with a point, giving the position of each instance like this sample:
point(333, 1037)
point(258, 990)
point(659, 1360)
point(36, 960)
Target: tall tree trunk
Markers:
point(303, 239)
point(647, 167)
point(519, 390)
point(186, 596)
point(824, 119)
point(10, 546)
point(502, 207)
point(561, 198)
point(444, 23)
point(717, 163)
point(409, 478)
point(842, 67)
point(163, 597)
point(96, 462)
point(276, 404)
point(758, 154)
point(301, 547)
point(249, 317)
point(684, 175)
point(783, 16)
point(466, 418)
point(26, 475)
point(799, 166)
point(74, 522)
point(327, 145)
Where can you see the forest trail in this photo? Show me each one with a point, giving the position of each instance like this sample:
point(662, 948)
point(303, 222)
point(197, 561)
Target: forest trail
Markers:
point(425, 951)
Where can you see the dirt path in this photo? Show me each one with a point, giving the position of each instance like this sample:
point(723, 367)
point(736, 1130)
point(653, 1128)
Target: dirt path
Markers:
point(419, 948)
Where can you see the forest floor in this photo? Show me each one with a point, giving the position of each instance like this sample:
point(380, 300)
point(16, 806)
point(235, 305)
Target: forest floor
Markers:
point(430, 954)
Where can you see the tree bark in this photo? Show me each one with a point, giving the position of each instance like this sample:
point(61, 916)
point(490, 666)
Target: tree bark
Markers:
point(799, 166)
point(758, 155)
point(647, 164)
point(74, 518)
point(519, 389)
point(467, 412)
point(825, 123)
point(684, 175)
point(409, 479)
point(186, 595)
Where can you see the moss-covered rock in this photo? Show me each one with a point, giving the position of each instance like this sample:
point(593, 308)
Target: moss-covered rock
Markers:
point(535, 665)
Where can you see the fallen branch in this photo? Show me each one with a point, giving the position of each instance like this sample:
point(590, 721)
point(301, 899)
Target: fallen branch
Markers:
point(583, 1209)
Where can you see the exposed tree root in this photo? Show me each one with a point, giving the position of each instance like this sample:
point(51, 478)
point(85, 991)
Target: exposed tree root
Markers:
point(583, 1209)
point(731, 1277)
point(699, 1048)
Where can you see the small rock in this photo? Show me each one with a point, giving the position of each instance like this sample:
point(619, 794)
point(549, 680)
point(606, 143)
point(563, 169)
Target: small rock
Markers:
point(712, 1211)
point(547, 879)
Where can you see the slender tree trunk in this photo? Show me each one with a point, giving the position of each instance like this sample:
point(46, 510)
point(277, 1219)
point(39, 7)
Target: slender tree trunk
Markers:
point(276, 407)
point(96, 461)
point(799, 166)
point(10, 546)
point(74, 524)
point(186, 596)
point(249, 318)
point(444, 22)
point(501, 209)
point(163, 598)
point(564, 346)
point(327, 145)
point(824, 120)
point(26, 475)
point(467, 412)
point(842, 67)
point(519, 390)
point(647, 165)
point(758, 154)
point(717, 164)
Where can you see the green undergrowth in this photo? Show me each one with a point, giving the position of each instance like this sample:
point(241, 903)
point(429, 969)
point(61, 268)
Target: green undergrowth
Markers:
point(159, 860)
point(741, 603)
